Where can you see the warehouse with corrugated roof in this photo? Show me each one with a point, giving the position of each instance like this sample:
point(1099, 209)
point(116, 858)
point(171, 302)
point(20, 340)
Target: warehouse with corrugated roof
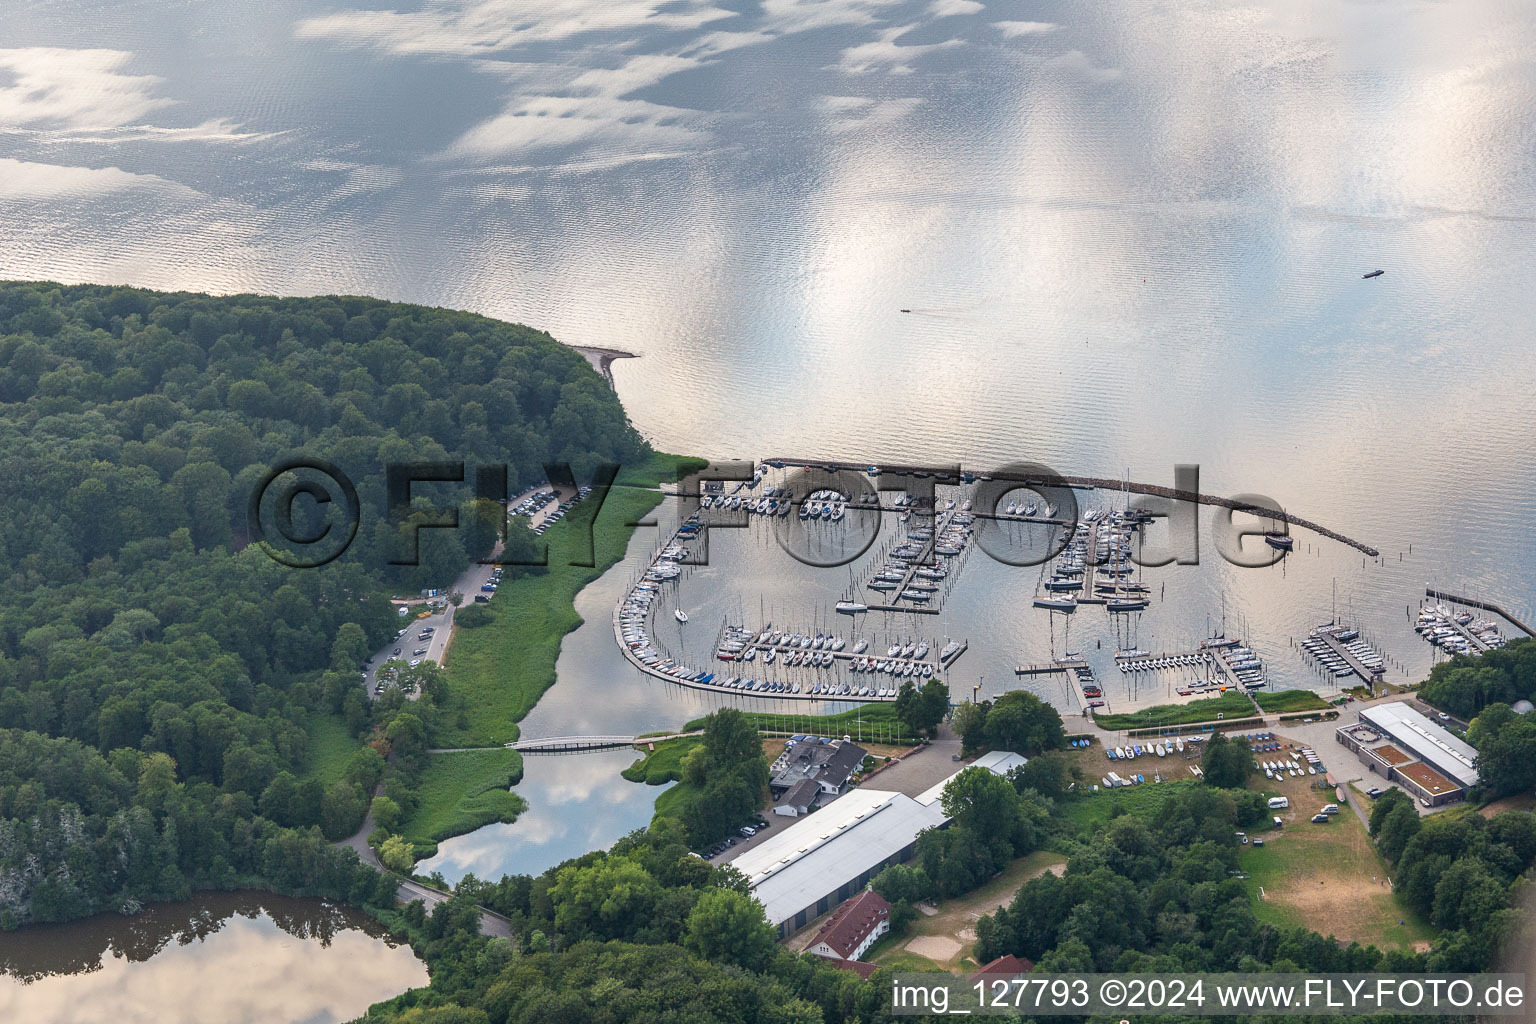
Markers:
point(826, 857)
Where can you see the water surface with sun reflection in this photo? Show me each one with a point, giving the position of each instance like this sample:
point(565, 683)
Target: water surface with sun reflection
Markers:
point(221, 957)
point(1129, 236)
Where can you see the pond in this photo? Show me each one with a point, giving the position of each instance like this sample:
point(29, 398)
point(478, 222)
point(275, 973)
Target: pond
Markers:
point(221, 957)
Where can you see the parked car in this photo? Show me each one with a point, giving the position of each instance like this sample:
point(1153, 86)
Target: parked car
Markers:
point(748, 831)
point(418, 652)
point(1321, 819)
point(397, 651)
point(1257, 841)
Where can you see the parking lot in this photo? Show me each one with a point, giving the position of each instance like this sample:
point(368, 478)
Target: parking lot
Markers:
point(545, 506)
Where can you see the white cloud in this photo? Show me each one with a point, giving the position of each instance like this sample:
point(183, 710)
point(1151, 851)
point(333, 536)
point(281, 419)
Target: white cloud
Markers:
point(84, 96)
point(785, 17)
point(537, 122)
point(593, 109)
point(1077, 61)
point(73, 89)
point(23, 179)
point(483, 27)
point(1015, 29)
point(212, 130)
point(884, 54)
point(849, 113)
point(951, 8)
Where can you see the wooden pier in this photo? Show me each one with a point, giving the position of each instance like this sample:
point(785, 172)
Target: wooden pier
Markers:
point(1370, 675)
point(1071, 668)
point(1441, 595)
point(947, 662)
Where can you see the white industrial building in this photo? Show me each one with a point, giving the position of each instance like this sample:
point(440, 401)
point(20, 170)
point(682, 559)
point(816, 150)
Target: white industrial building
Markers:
point(1432, 743)
point(1405, 747)
point(823, 859)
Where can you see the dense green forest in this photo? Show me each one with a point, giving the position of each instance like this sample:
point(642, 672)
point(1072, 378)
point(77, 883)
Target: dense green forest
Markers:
point(1483, 689)
point(156, 671)
point(647, 931)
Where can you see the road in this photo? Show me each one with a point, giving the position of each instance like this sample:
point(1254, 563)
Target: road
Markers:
point(468, 584)
point(491, 923)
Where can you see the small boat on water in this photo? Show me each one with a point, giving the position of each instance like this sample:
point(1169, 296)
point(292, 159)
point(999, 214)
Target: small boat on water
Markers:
point(682, 616)
point(1279, 541)
point(1057, 602)
point(1374, 273)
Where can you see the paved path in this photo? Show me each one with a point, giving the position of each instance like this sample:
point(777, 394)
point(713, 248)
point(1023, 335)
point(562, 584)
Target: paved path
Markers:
point(918, 771)
point(491, 923)
point(435, 647)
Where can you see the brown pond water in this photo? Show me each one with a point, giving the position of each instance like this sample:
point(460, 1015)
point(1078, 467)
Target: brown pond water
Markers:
point(223, 958)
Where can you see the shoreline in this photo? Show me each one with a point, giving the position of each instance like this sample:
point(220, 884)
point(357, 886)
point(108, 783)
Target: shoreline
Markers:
point(602, 359)
point(610, 546)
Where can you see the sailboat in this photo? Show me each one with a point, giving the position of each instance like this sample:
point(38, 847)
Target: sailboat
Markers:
point(682, 616)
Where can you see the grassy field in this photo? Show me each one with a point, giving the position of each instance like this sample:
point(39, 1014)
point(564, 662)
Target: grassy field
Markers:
point(503, 667)
point(331, 746)
point(1145, 801)
point(1291, 700)
point(664, 764)
point(1331, 879)
point(943, 941)
point(461, 792)
point(1228, 705)
point(870, 722)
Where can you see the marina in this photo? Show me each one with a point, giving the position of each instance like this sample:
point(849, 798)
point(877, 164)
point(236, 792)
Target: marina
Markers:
point(1341, 651)
point(1235, 666)
point(765, 662)
point(1457, 632)
point(906, 567)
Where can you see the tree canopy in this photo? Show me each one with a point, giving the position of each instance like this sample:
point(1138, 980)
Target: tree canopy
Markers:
point(143, 639)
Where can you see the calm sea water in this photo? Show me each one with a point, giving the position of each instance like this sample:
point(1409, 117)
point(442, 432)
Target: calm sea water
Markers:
point(1130, 235)
point(223, 957)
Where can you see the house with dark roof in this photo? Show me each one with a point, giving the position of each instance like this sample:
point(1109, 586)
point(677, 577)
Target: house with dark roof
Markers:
point(858, 967)
point(1007, 964)
point(829, 763)
point(800, 799)
point(853, 927)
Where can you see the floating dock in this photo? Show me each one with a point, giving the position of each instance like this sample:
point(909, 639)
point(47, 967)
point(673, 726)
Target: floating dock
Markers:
point(1342, 650)
point(1441, 595)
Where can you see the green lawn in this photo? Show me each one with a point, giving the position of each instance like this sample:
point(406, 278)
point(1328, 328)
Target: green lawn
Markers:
point(503, 667)
point(869, 722)
point(664, 764)
point(670, 803)
point(331, 746)
point(461, 792)
point(1144, 801)
point(1291, 700)
point(1228, 706)
point(1331, 879)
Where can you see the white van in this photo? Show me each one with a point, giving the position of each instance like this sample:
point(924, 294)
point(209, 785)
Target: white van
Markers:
point(1278, 803)
point(1331, 809)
